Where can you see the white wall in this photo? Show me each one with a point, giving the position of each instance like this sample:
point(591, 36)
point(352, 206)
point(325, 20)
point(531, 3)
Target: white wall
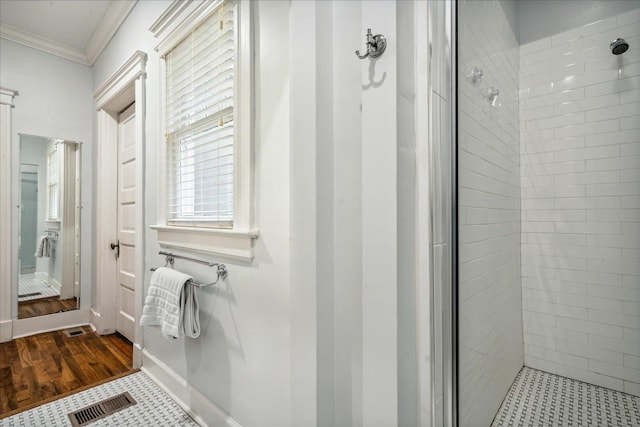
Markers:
point(580, 131)
point(490, 315)
point(54, 101)
point(308, 332)
point(241, 361)
point(538, 19)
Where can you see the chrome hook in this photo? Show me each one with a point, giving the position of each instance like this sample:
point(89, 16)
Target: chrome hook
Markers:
point(375, 45)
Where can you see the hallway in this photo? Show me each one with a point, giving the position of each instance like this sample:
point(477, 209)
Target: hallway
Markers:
point(43, 367)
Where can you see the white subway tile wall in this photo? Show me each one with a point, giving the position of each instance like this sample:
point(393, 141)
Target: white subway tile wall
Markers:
point(580, 189)
point(490, 321)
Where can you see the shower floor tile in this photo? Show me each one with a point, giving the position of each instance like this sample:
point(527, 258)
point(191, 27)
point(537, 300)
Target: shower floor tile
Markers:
point(154, 407)
point(538, 398)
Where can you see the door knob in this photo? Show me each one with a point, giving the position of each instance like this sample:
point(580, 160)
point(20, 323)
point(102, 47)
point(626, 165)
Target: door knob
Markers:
point(116, 247)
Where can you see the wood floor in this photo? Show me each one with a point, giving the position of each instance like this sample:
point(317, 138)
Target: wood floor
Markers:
point(42, 306)
point(40, 367)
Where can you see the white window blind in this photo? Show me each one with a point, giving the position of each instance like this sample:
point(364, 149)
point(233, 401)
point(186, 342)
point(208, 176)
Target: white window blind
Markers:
point(199, 123)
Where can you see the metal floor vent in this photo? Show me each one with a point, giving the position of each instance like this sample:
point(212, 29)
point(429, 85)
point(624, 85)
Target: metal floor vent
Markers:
point(101, 409)
point(74, 332)
point(32, 294)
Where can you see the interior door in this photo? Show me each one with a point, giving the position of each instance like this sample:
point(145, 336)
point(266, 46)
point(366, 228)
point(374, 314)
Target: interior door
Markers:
point(126, 223)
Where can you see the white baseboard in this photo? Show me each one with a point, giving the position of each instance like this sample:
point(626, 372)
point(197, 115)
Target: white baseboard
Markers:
point(51, 322)
point(95, 320)
point(137, 355)
point(205, 412)
point(97, 324)
point(6, 330)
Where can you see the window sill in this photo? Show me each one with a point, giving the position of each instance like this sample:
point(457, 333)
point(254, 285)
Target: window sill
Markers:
point(230, 244)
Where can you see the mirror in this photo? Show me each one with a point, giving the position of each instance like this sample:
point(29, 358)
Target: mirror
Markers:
point(49, 226)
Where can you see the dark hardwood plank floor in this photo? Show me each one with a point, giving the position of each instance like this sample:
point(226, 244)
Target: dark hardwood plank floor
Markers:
point(40, 367)
point(42, 306)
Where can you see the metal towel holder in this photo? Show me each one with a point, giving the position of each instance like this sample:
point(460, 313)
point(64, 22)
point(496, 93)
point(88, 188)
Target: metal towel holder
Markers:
point(221, 269)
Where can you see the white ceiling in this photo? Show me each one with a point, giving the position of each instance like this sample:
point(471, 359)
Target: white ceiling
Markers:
point(76, 30)
point(69, 22)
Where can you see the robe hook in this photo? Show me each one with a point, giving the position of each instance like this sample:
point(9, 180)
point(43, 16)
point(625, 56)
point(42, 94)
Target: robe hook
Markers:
point(375, 45)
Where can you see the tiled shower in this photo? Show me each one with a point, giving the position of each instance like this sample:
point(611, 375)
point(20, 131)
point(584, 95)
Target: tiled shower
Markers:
point(548, 203)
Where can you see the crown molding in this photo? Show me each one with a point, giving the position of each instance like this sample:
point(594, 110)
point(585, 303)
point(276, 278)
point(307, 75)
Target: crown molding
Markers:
point(113, 17)
point(169, 16)
point(37, 42)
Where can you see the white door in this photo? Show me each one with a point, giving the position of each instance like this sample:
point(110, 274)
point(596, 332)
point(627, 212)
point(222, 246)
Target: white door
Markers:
point(125, 322)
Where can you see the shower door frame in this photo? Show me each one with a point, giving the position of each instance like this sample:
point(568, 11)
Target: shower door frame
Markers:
point(442, 137)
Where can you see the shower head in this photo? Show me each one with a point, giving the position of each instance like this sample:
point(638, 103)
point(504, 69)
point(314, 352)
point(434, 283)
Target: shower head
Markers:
point(618, 46)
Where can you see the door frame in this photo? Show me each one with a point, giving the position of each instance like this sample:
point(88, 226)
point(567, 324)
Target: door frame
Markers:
point(6, 249)
point(125, 86)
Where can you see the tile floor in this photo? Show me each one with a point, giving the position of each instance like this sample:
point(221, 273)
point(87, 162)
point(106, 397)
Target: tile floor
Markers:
point(28, 284)
point(541, 399)
point(154, 407)
point(536, 399)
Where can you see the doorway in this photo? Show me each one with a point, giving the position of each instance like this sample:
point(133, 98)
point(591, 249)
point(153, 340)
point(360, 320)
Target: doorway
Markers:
point(120, 184)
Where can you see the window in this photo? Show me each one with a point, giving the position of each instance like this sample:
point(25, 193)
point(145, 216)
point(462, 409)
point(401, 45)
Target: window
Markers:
point(206, 196)
point(53, 182)
point(199, 120)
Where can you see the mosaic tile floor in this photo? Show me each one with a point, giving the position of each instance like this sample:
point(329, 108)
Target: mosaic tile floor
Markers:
point(28, 284)
point(154, 407)
point(541, 399)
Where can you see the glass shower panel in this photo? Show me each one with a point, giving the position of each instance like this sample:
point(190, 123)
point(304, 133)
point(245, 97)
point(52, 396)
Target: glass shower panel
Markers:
point(490, 348)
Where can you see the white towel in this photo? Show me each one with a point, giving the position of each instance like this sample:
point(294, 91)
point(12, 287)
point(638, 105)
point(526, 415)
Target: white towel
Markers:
point(171, 303)
point(44, 247)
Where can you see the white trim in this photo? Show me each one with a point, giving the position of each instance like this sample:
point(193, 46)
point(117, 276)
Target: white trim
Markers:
point(35, 41)
point(424, 300)
point(68, 208)
point(125, 86)
point(51, 322)
point(184, 394)
point(235, 244)
point(140, 240)
point(6, 232)
point(117, 84)
point(187, 18)
point(230, 244)
point(113, 17)
point(96, 321)
point(7, 95)
point(137, 356)
point(6, 330)
point(169, 16)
